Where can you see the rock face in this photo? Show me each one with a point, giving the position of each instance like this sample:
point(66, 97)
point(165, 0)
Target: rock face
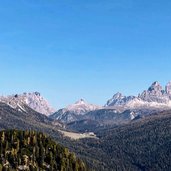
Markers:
point(118, 100)
point(123, 109)
point(168, 89)
point(33, 100)
point(155, 88)
point(74, 111)
point(81, 107)
point(155, 93)
point(155, 97)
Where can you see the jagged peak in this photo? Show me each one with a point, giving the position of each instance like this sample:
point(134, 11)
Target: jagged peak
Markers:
point(155, 83)
point(155, 86)
point(82, 104)
point(37, 93)
point(168, 88)
point(34, 100)
point(80, 101)
point(154, 94)
point(169, 83)
point(118, 95)
point(31, 93)
point(69, 113)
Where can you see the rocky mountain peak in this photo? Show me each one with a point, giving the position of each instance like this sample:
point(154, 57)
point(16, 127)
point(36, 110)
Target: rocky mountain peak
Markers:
point(155, 87)
point(81, 106)
point(81, 101)
point(155, 93)
point(33, 100)
point(37, 93)
point(154, 96)
point(168, 88)
point(74, 111)
point(117, 98)
point(118, 95)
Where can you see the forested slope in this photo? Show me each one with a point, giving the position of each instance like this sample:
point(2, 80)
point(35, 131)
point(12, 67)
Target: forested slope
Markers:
point(29, 150)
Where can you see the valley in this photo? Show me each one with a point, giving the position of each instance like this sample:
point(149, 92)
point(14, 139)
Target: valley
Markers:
point(110, 137)
point(85, 85)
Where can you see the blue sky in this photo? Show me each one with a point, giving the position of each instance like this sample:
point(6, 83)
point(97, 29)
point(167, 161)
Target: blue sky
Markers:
point(72, 49)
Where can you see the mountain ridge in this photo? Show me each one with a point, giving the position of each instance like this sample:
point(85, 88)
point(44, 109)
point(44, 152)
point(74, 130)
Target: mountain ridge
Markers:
point(155, 96)
point(33, 100)
point(74, 111)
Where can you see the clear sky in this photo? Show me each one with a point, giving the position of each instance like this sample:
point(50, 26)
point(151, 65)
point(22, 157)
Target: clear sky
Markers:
point(91, 49)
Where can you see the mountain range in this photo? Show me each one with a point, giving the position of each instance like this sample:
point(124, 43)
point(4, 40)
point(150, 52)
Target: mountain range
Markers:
point(129, 137)
point(118, 109)
point(155, 96)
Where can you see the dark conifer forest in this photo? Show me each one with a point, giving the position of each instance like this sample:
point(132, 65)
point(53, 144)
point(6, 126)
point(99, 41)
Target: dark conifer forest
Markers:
point(32, 151)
